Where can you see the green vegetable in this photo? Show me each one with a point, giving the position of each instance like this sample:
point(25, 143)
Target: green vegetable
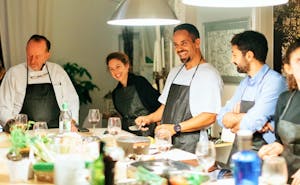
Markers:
point(19, 140)
point(145, 176)
point(196, 179)
point(37, 144)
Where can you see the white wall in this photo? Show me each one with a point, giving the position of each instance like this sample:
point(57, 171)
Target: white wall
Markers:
point(262, 21)
point(80, 34)
point(261, 18)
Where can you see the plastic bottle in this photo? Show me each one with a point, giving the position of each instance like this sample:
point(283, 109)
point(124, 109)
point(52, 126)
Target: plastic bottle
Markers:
point(65, 119)
point(97, 168)
point(246, 163)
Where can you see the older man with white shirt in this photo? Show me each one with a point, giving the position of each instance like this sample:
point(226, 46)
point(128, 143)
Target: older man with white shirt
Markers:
point(37, 88)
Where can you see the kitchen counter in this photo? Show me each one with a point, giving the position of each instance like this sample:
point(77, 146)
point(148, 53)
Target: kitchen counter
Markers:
point(174, 154)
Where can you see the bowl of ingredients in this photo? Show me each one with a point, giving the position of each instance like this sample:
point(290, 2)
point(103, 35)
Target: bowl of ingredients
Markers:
point(134, 144)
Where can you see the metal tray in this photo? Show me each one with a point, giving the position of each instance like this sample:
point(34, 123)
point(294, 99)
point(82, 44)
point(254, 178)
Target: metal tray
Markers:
point(160, 166)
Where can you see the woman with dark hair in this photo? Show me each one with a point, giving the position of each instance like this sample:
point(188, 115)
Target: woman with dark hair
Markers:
point(287, 117)
point(134, 95)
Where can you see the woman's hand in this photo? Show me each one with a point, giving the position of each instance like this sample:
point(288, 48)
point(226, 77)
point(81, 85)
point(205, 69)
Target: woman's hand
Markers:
point(273, 149)
point(296, 178)
point(142, 121)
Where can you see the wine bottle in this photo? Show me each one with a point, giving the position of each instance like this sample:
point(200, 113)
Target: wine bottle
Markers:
point(97, 169)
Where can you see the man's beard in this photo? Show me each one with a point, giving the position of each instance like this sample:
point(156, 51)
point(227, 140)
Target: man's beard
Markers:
point(185, 60)
point(242, 69)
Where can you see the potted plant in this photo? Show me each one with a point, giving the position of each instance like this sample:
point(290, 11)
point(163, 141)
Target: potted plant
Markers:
point(82, 81)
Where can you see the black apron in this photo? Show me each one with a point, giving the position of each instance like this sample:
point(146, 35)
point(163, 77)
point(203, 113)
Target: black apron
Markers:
point(289, 134)
point(177, 109)
point(130, 106)
point(40, 103)
point(257, 138)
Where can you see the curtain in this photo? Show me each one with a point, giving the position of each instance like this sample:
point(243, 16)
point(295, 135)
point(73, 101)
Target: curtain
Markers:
point(18, 21)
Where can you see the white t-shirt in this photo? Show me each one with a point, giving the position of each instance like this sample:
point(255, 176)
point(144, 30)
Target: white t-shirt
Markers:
point(205, 88)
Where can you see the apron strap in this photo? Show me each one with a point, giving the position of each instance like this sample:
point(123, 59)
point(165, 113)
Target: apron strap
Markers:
point(49, 74)
point(258, 83)
point(181, 69)
point(177, 73)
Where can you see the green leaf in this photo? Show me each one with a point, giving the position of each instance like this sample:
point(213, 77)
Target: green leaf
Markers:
point(19, 139)
point(78, 76)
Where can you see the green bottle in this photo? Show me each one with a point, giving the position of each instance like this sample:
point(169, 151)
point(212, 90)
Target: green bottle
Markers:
point(97, 171)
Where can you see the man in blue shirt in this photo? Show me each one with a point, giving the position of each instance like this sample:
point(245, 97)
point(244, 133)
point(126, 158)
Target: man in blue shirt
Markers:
point(254, 101)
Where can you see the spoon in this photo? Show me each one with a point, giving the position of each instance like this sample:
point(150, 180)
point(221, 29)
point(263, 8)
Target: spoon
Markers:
point(134, 128)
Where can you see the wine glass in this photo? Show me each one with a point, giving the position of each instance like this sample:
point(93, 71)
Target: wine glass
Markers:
point(20, 121)
point(206, 154)
point(163, 140)
point(114, 126)
point(274, 171)
point(94, 117)
point(40, 128)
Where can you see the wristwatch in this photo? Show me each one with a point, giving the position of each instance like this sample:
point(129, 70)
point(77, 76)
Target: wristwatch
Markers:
point(177, 128)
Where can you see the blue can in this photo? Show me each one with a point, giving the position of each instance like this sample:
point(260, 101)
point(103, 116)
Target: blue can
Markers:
point(246, 167)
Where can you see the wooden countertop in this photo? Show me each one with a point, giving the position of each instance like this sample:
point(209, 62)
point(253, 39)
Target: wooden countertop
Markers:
point(4, 145)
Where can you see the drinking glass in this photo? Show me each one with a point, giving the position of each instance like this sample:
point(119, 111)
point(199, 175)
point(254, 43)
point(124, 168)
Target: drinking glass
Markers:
point(274, 171)
point(114, 126)
point(163, 140)
point(20, 121)
point(206, 154)
point(94, 117)
point(40, 128)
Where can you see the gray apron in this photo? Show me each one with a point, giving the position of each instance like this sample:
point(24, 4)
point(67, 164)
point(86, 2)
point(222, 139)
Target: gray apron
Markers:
point(40, 103)
point(177, 109)
point(289, 134)
point(130, 106)
point(257, 138)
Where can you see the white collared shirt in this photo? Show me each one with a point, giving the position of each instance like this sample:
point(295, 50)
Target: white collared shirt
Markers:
point(13, 89)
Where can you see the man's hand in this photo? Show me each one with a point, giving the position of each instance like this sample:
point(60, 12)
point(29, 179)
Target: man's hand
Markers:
point(237, 108)
point(235, 128)
point(9, 123)
point(169, 127)
point(266, 128)
point(273, 149)
point(296, 178)
point(232, 119)
point(73, 126)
